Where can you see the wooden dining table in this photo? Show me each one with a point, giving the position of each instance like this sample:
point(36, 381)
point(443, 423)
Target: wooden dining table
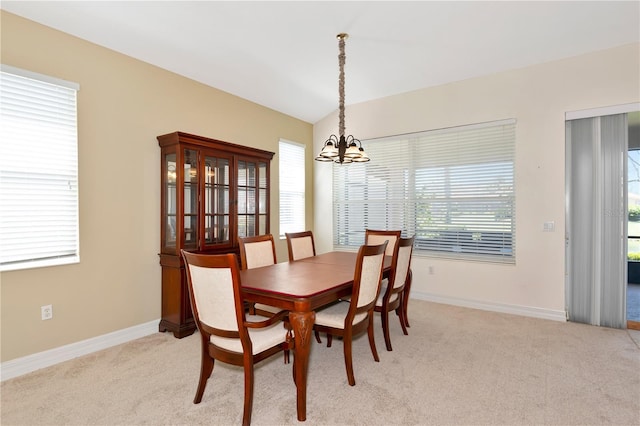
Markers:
point(301, 287)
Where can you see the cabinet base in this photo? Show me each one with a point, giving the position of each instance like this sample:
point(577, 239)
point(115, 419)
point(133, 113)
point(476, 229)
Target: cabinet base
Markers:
point(179, 330)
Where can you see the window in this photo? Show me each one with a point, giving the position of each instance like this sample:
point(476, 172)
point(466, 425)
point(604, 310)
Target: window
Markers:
point(38, 170)
point(292, 171)
point(453, 188)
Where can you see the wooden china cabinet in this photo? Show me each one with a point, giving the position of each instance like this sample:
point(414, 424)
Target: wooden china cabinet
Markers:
point(212, 193)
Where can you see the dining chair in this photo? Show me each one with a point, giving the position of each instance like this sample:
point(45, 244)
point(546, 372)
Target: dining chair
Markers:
point(227, 333)
point(392, 295)
point(300, 245)
point(372, 236)
point(256, 252)
point(351, 318)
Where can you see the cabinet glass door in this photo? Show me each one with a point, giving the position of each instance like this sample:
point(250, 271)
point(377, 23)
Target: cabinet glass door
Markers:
point(263, 196)
point(190, 199)
point(252, 198)
point(217, 200)
point(170, 202)
point(246, 199)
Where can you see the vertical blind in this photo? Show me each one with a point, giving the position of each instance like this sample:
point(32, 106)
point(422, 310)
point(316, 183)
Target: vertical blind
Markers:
point(292, 187)
point(453, 188)
point(38, 170)
point(597, 220)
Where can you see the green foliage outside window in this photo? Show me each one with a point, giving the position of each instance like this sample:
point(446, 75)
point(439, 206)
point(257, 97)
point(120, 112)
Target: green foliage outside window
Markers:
point(634, 213)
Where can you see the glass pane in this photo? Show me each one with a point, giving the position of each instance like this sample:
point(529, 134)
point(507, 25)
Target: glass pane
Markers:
point(251, 225)
point(242, 201)
point(263, 225)
point(251, 174)
point(217, 181)
point(208, 229)
point(190, 182)
point(251, 201)
point(190, 165)
point(171, 232)
point(263, 175)
point(242, 226)
point(190, 231)
point(224, 200)
point(223, 228)
point(263, 202)
point(209, 180)
point(210, 170)
point(223, 172)
point(171, 200)
point(190, 198)
point(242, 173)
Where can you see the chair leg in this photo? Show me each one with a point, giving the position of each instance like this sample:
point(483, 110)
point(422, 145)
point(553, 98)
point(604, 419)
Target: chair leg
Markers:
point(317, 336)
point(348, 357)
point(329, 340)
point(372, 341)
point(384, 315)
point(400, 314)
point(248, 391)
point(206, 367)
point(405, 297)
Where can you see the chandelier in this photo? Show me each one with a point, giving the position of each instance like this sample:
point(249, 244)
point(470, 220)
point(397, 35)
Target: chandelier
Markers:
point(341, 149)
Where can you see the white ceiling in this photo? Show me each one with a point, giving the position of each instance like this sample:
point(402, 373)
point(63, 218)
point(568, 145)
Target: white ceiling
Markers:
point(283, 55)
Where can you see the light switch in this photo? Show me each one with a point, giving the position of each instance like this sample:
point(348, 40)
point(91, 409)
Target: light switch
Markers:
point(549, 226)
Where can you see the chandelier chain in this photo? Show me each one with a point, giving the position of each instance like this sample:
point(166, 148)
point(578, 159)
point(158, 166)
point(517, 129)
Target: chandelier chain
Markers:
point(341, 62)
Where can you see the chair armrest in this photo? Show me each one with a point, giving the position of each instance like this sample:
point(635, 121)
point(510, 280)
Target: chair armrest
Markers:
point(269, 321)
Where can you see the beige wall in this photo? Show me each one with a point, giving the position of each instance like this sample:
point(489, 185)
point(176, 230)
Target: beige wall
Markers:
point(123, 104)
point(538, 98)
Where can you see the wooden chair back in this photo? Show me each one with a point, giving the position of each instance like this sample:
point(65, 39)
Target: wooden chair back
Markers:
point(367, 277)
point(372, 236)
point(402, 263)
point(300, 245)
point(257, 251)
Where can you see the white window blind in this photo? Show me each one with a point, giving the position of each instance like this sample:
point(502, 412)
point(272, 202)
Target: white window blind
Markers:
point(38, 170)
point(292, 187)
point(453, 188)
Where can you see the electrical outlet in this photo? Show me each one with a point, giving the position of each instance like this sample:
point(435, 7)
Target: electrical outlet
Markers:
point(46, 312)
point(430, 270)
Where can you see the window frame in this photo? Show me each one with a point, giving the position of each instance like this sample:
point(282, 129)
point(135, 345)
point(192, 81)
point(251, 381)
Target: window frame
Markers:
point(34, 105)
point(292, 186)
point(474, 163)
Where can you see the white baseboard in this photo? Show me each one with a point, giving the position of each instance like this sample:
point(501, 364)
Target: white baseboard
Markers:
point(526, 311)
point(29, 363)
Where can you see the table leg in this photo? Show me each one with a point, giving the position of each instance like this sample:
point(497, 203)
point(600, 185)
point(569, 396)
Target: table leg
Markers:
point(302, 323)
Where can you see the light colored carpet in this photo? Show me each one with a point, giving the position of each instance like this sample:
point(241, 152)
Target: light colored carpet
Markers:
point(458, 366)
